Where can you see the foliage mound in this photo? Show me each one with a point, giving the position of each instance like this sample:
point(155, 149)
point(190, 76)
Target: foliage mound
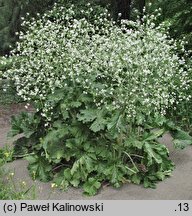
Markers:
point(99, 90)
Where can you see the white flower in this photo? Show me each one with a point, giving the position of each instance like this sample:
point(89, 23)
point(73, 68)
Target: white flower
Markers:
point(137, 69)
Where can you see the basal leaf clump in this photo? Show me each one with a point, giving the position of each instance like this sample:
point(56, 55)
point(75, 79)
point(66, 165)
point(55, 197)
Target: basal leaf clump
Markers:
point(99, 89)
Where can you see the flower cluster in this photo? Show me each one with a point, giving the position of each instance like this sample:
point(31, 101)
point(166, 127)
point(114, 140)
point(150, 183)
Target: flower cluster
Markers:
point(132, 66)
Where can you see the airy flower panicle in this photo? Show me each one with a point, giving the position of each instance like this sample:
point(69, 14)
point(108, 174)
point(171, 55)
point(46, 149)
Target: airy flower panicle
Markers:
point(136, 68)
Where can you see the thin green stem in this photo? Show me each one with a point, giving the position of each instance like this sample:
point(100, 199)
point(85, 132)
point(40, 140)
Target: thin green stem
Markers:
point(131, 160)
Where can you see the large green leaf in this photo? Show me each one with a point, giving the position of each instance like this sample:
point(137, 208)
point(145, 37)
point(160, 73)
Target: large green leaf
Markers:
point(85, 164)
point(87, 115)
point(39, 168)
point(98, 124)
point(181, 139)
point(134, 142)
point(91, 186)
point(114, 121)
point(23, 146)
point(100, 121)
point(26, 123)
point(90, 115)
point(115, 173)
point(54, 143)
point(64, 112)
point(63, 178)
point(181, 144)
point(152, 154)
point(155, 134)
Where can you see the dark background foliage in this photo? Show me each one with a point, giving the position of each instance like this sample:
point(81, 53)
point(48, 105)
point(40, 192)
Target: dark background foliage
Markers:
point(179, 16)
point(11, 12)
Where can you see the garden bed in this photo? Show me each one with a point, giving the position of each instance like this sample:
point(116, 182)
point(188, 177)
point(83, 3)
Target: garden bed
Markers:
point(176, 187)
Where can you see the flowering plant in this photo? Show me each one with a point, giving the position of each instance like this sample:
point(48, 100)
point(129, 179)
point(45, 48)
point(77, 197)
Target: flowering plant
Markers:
point(98, 89)
point(132, 68)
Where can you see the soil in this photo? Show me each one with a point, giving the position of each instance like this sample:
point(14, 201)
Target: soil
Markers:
point(6, 111)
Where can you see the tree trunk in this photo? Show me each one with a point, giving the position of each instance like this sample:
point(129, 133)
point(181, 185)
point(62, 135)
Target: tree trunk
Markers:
point(10, 13)
point(122, 7)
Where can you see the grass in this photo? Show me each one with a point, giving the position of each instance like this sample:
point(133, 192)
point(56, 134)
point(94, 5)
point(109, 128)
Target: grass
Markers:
point(9, 190)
